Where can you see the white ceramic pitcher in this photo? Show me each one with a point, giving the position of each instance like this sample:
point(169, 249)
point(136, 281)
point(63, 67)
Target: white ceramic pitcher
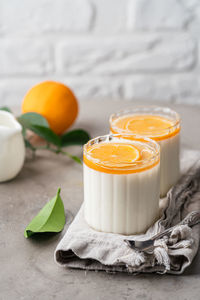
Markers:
point(12, 148)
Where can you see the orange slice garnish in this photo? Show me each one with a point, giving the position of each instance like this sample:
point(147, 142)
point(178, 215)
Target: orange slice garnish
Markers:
point(153, 126)
point(148, 124)
point(119, 158)
point(114, 153)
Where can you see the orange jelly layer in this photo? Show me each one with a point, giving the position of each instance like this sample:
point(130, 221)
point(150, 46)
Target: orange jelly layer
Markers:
point(153, 126)
point(119, 158)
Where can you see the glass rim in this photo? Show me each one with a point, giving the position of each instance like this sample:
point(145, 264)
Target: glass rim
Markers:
point(145, 109)
point(152, 145)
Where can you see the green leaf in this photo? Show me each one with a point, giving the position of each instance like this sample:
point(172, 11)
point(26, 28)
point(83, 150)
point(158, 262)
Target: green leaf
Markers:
point(31, 119)
point(47, 134)
point(5, 108)
point(39, 125)
point(75, 137)
point(51, 218)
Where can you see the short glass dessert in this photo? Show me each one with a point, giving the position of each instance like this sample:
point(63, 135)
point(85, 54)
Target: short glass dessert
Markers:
point(121, 183)
point(160, 124)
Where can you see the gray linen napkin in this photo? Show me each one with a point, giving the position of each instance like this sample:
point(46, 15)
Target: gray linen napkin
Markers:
point(84, 248)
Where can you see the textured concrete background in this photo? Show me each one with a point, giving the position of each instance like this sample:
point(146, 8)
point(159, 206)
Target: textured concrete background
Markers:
point(112, 49)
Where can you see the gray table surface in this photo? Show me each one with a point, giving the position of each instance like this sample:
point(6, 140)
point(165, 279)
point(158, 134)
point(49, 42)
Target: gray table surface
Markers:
point(27, 267)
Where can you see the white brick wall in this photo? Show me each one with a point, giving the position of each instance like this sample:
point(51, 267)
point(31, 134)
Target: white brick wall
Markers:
point(115, 49)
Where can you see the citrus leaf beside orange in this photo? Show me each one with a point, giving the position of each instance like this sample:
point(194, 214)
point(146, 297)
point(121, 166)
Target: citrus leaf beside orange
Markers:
point(75, 137)
point(39, 125)
point(6, 108)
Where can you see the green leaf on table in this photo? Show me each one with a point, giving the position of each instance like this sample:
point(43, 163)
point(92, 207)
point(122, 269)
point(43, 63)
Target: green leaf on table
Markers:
point(5, 108)
point(39, 125)
point(75, 137)
point(51, 218)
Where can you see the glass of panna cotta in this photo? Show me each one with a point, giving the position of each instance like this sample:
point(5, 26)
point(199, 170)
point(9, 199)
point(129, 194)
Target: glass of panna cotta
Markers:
point(160, 124)
point(121, 183)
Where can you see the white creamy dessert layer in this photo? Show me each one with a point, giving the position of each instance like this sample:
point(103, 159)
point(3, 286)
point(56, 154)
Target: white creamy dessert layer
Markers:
point(125, 204)
point(169, 163)
point(121, 183)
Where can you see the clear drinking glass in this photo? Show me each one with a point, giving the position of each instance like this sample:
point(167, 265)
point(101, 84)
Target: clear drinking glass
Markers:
point(122, 197)
point(168, 139)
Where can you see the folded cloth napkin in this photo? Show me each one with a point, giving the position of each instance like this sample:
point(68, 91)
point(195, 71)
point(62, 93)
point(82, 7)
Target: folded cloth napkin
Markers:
point(84, 248)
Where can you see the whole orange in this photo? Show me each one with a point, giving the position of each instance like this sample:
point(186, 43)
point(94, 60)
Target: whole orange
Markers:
point(54, 101)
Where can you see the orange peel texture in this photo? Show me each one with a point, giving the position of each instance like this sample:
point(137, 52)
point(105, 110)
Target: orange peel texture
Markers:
point(54, 101)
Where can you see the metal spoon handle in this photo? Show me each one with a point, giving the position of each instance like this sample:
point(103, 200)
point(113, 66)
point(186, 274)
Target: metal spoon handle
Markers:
point(191, 219)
